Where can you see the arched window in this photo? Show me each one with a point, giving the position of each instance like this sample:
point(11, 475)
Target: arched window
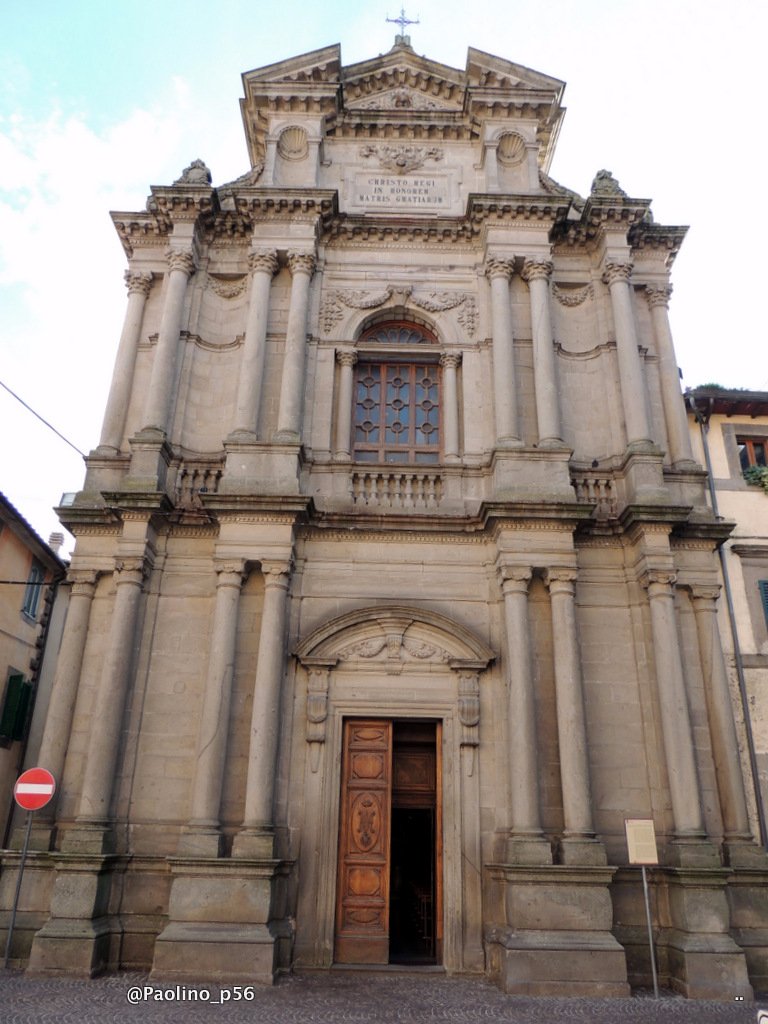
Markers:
point(396, 415)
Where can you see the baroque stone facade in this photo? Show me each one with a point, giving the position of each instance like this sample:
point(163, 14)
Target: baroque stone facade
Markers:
point(390, 570)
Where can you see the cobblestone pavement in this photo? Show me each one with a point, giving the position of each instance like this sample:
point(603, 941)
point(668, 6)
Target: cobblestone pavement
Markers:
point(331, 998)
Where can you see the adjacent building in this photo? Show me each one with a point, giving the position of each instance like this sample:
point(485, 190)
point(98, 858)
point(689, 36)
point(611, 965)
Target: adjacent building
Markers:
point(395, 587)
point(730, 437)
point(30, 571)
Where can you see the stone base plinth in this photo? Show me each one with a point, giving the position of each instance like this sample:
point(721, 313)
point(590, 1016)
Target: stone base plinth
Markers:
point(748, 901)
point(703, 960)
point(187, 951)
point(150, 458)
point(556, 937)
point(643, 473)
point(705, 966)
point(547, 963)
point(72, 948)
point(76, 938)
point(532, 474)
point(256, 468)
point(227, 921)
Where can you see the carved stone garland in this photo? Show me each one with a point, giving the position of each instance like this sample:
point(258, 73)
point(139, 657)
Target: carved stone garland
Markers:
point(433, 302)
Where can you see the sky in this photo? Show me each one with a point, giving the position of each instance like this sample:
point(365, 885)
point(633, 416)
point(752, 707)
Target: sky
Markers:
point(100, 100)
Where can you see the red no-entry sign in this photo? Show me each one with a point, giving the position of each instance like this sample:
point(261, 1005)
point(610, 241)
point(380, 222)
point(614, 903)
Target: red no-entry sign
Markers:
point(34, 788)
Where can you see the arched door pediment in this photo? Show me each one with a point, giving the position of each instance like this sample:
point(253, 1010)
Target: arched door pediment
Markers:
point(394, 636)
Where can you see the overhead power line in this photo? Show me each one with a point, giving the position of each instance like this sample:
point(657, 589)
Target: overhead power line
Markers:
point(42, 419)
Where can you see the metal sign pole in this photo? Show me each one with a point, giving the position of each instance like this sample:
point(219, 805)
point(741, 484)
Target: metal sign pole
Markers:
point(24, 849)
point(650, 934)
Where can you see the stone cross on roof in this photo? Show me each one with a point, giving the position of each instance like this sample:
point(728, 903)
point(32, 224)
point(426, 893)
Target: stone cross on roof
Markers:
point(402, 21)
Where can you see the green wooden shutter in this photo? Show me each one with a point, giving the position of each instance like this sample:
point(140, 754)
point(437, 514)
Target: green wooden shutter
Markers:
point(15, 706)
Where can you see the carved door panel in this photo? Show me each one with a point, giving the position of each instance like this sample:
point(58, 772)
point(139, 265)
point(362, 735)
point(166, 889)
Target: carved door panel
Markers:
point(362, 909)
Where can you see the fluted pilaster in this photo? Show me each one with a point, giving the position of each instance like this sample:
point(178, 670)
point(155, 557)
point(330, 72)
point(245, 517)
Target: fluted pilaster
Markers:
point(633, 389)
point(346, 360)
point(110, 698)
point(675, 416)
point(571, 718)
point(263, 265)
point(214, 721)
point(673, 704)
point(61, 708)
point(450, 363)
point(302, 267)
point(499, 272)
point(138, 284)
point(537, 273)
point(256, 836)
point(526, 841)
point(722, 727)
point(181, 266)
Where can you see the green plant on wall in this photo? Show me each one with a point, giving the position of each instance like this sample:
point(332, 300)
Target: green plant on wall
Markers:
point(757, 476)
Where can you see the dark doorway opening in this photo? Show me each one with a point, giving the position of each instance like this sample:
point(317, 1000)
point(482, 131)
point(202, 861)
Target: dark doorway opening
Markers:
point(414, 869)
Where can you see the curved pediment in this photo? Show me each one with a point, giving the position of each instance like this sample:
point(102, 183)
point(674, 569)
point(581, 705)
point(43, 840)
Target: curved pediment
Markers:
point(394, 634)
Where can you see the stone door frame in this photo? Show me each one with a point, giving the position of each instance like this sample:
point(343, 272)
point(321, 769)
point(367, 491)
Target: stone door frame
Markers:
point(392, 662)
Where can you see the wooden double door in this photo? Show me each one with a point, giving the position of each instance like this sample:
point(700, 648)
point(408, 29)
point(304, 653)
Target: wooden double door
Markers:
point(389, 889)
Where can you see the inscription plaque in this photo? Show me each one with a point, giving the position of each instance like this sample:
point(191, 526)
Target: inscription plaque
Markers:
point(411, 192)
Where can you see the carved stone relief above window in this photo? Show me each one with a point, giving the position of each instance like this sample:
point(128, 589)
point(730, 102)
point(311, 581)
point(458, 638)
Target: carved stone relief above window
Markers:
point(332, 309)
point(402, 159)
point(228, 287)
point(572, 295)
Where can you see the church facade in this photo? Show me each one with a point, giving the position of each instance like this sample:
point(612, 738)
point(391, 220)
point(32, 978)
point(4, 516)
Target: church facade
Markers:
point(395, 586)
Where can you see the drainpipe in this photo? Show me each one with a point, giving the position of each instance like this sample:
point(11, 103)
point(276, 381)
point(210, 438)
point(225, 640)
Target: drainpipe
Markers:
point(702, 418)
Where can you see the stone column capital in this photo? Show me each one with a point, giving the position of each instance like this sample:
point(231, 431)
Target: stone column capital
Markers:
point(276, 572)
point(450, 359)
point(658, 296)
point(181, 259)
point(230, 572)
point(537, 268)
point(498, 266)
point(263, 261)
point(346, 357)
point(139, 281)
point(83, 581)
point(663, 580)
point(561, 580)
point(514, 579)
point(132, 570)
point(703, 594)
point(301, 263)
point(614, 271)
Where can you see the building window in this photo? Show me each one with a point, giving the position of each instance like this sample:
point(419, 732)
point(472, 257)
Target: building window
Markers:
point(763, 585)
point(33, 591)
point(396, 416)
point(397, 412)
point(752, 452)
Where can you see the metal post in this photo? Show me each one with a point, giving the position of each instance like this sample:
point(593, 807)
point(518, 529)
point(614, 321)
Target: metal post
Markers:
point(650, 934)
point(24, 849)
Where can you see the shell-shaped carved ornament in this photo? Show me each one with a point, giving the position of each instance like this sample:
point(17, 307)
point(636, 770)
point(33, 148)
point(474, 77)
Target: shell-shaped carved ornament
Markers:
point(511, 149)
point(293, 143)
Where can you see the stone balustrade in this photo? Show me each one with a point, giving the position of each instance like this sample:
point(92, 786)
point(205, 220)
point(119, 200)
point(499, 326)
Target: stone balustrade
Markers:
point(595, 488)
point(195, 478)
point(402, 489)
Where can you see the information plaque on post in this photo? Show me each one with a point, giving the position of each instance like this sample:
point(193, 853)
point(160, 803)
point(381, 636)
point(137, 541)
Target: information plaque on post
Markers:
point(641, 846)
